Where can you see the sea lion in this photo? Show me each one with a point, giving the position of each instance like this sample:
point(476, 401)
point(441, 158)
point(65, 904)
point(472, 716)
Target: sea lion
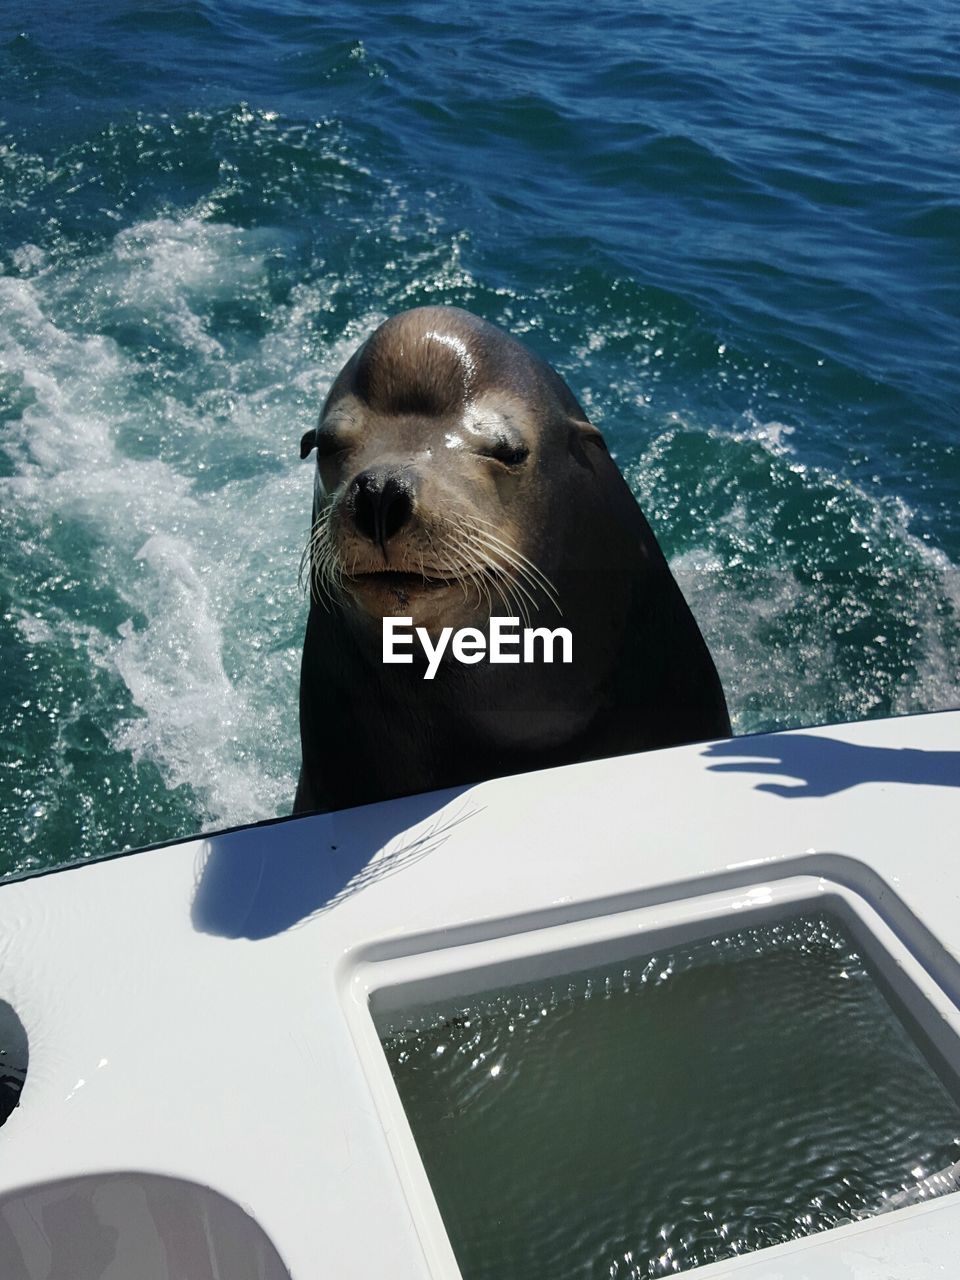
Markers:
point(457, 479)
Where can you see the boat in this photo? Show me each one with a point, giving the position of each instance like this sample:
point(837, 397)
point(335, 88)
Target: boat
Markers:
point(206, 1092)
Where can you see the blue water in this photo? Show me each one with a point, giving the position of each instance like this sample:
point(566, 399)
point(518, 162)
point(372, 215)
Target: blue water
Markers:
point(734, 229)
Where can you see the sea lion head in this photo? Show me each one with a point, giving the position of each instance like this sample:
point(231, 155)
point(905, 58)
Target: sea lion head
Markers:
point(445, 451)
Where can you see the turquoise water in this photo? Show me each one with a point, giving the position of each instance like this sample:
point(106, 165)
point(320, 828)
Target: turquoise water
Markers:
point(645, 1118)
point(734, 230)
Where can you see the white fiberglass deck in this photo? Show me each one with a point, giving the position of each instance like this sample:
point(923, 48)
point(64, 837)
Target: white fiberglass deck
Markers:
point(197, 1014)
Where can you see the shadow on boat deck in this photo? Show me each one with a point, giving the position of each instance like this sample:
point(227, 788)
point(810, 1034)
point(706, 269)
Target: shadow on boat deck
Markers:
point(823, 766)
point(256, 882)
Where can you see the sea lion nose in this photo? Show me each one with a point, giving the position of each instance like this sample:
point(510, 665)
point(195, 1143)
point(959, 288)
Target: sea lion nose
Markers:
point(381, 502)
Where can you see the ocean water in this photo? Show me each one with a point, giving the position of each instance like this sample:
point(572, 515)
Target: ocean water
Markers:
point(735, 230)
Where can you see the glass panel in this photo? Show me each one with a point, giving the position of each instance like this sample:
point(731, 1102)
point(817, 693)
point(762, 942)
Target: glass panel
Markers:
point(636, 1120)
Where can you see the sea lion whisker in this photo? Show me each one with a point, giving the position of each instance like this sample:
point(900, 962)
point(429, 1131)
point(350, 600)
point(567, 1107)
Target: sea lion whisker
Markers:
point(531, 567)
point(331, 563)
point(502, 589)
point(517, 598)
point(461, 575)
point(523, 565)
point(537, 581)
point(478, 576)
point(314, 557)
point(447, 559)
point(465, 574)
point(326, 558)
point(477, 573)
point(307, 557)
point(468, 545)
point(505, 577)
point(516, 575)
point(509, 589)
point(514, 605)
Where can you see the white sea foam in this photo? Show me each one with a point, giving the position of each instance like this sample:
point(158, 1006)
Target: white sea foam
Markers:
point(35, 630)
point(169, 271)
point(172, 465)
point(776, 602)
point(210, 650)
point(195, 718)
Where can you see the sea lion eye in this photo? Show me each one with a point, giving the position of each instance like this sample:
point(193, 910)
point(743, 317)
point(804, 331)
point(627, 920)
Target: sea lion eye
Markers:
point(329, 443)
point(510, 452)
point(326, 442)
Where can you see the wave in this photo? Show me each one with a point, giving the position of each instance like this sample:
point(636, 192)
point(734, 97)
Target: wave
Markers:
point(167, 331)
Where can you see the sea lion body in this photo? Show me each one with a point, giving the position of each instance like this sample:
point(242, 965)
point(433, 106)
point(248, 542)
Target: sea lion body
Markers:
point(458, 477)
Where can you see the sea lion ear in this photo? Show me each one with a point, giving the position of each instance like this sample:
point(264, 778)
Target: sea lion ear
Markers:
point(589, 434)
point(308, 442)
